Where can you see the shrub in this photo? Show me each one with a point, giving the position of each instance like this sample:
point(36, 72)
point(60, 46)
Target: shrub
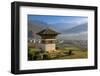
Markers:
point(46, 56)
point(70, 52)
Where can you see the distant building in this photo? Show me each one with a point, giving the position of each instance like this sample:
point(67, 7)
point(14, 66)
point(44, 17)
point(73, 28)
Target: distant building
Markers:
point(48, 39)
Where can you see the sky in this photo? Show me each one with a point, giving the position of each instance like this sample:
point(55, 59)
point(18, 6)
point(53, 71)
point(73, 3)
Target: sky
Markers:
point(62, 24)
point(58, 19)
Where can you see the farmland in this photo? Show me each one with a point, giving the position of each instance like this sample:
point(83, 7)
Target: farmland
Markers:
point(65, 50)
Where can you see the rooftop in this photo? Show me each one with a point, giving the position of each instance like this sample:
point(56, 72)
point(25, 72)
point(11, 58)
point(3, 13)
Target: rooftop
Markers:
point(48, 31)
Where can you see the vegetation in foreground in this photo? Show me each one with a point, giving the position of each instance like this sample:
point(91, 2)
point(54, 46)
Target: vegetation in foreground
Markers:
point(66, 53)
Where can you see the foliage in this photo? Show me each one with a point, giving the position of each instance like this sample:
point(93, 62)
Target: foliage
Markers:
point(66, 53)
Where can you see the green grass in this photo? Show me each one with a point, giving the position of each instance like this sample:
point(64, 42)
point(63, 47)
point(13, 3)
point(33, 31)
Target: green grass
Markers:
point(72, 48)
point(77, 53)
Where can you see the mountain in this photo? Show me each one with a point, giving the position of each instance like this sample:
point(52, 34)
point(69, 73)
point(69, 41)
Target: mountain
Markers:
point(33, 28)
point(78, 32)
point(77, 29)
point(68, 31)
point(79, 36)
point(36, 26)
point(63, 26)
point(39, 23)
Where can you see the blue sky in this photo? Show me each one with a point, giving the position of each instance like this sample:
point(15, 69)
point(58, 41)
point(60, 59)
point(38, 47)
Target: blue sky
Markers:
point(58, 19)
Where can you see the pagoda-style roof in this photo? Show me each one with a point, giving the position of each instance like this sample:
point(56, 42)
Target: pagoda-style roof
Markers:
point(48, 31)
